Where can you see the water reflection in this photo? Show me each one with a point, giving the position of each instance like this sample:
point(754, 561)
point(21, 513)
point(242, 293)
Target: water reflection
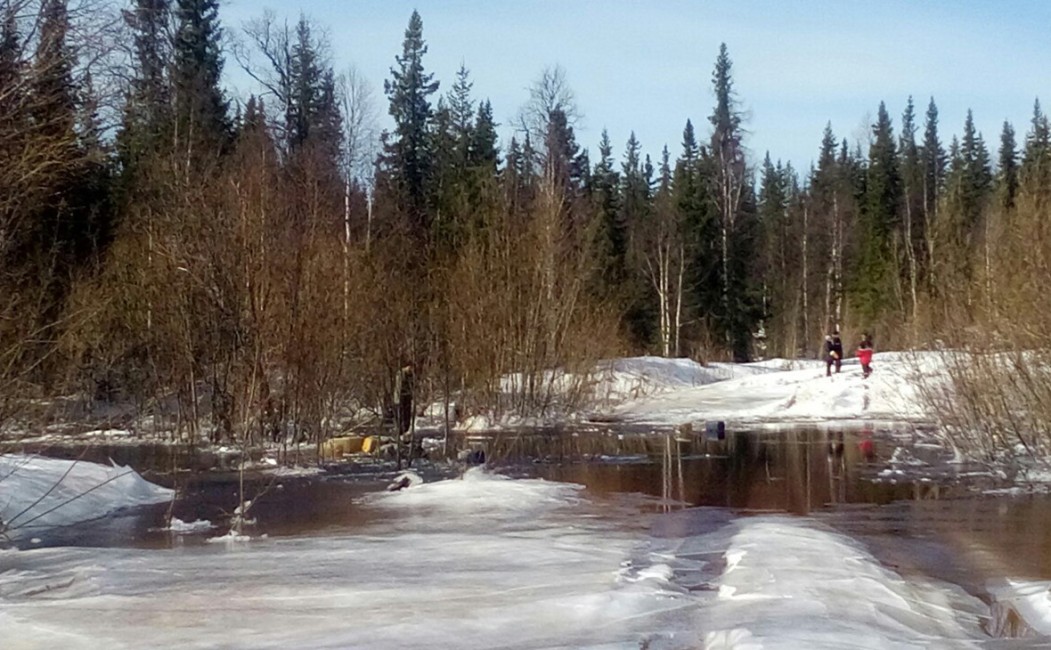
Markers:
point(795, 471)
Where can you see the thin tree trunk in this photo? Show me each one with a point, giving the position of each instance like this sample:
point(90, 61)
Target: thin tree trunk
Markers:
point(911, 255)
point(678, 300)
point(806, 277)
point(928, 232)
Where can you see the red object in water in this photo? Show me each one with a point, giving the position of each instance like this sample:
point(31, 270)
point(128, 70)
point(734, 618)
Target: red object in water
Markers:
point(868, 449)
point(865, 356)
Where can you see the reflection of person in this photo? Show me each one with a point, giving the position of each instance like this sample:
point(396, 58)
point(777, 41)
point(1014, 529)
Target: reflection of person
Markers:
point(867, 446)
point(865, 355)
point(833, 353)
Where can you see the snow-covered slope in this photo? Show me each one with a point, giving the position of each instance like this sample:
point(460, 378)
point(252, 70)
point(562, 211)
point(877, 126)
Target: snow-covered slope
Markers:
point(772, 392)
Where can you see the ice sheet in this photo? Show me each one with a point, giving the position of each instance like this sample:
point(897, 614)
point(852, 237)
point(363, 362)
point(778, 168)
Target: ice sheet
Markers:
point(789, 584)
point(37, 492)
point(482, 562)
point(488, 562)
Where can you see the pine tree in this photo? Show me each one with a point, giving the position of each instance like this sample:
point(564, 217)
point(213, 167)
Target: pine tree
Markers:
point(407, 160)
point(147, 109)
point(484, 152)
point(773, 203)
point(635, 216)
point(977, 174)
point(934, 163)
point(201, 110)
point(53, 87)
point(305, 87)
point(874, 280)
point(912, 203)
point(732, 195)
point(611, 234)
point(518, 179)
point(690, 180)
point(1035, 169)
point(1007, 172)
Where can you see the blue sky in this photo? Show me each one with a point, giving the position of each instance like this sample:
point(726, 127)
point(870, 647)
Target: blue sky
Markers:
point(646, 66)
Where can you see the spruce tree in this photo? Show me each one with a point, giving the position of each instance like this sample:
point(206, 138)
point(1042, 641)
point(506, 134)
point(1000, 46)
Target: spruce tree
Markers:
point(733, 197)
point(611, 246)
point(456, 184)
point(932, 154)
point(1035, 169)
point(873, 282)
point(147, 109)
point(484, 152)
point(54, 89)
point(774, 219)
point(977, 174)
point(1007, 169)
point(461, 112)
point(518, 178)
point(691, 179)
point(407, 161)
point(824, 233)
point(305, 77)
point(913, 233)
point(635, 217)
point(14, 130)
point(201, 109)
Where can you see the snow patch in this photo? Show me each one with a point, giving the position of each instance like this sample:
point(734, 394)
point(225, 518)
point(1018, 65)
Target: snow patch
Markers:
point(181, 527)
point(38, 492)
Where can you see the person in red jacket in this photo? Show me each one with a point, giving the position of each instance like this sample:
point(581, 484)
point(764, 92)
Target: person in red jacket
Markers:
point(865, 355)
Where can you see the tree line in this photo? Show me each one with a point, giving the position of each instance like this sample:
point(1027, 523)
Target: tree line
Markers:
point(267, 267)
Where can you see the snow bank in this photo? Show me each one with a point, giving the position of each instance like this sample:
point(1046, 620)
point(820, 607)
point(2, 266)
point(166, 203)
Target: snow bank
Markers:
point(662, 392)
point(779, 392)
point(479, 496)
point(1021, 608)
point(38, 492)
point(787, 584)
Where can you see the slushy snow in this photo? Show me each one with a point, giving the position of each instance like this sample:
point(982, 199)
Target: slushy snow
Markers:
point(489, 562)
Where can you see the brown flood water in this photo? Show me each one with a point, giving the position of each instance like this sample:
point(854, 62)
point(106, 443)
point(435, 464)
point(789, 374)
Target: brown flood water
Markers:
point(915, 511)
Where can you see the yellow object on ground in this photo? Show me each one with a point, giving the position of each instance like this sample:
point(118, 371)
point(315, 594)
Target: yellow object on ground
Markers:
point(340, 446)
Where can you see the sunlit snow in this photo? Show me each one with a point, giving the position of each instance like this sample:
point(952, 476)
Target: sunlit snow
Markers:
point(663, 392)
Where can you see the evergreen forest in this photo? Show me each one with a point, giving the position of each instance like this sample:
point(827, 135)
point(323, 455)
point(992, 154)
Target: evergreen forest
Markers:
point(263, 267)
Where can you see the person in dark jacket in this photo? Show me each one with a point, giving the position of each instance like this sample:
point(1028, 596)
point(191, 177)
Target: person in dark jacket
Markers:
point(833, 353)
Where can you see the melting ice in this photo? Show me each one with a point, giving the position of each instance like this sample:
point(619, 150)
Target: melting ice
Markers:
point(486, 562)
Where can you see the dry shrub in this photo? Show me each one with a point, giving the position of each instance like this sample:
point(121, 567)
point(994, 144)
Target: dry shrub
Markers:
point(523, 334)
point(995, 334)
